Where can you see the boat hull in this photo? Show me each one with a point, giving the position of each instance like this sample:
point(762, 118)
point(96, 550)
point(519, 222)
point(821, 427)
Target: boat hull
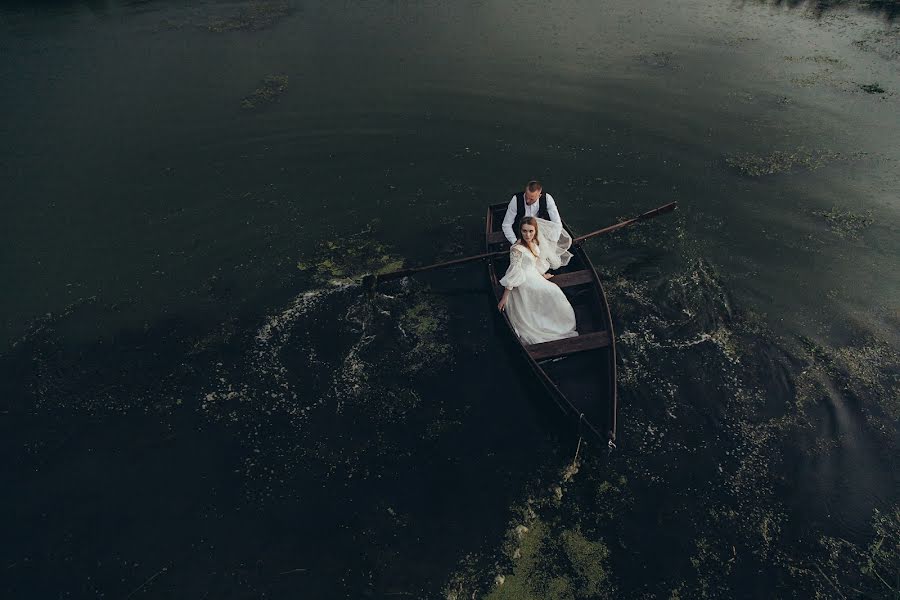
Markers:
point(578, 373)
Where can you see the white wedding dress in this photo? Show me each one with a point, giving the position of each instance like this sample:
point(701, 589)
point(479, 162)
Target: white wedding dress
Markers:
point(537, 308)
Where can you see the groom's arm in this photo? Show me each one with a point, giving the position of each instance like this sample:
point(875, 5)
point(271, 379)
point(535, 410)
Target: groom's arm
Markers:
point(552, 210)
point(510, 218)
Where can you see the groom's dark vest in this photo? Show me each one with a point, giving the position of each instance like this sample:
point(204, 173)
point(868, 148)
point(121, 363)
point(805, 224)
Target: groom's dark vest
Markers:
point(520, 210)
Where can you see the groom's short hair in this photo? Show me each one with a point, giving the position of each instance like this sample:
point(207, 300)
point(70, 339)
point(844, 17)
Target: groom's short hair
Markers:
point(534, 185)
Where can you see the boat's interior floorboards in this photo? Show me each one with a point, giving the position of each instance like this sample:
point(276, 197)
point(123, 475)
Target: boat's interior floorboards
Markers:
point(584, 380)
point(585, 319)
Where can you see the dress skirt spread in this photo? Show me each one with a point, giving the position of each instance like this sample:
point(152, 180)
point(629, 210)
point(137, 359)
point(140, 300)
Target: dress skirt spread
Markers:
point(537, 308)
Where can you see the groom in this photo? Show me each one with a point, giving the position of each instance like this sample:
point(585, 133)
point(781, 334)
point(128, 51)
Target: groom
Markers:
point(532, 202)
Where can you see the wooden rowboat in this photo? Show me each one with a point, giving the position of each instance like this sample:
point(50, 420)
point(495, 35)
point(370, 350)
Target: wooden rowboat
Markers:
point(579, 372)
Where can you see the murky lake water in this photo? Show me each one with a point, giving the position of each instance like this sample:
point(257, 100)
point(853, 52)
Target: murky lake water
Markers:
point(199, 401)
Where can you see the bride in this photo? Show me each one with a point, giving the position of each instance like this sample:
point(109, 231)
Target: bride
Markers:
point(538, 310)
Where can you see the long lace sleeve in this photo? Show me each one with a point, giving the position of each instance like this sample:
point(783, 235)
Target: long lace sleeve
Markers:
point(515, 274)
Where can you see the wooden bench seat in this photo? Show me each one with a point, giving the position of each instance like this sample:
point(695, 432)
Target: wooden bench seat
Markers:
point(573, 278)
point(581, 343)
point(564, 280)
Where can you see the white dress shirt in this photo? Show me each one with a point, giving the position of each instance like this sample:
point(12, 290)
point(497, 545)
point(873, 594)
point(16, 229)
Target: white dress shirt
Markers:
point(530, 211)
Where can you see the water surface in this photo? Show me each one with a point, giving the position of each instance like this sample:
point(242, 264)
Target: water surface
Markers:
point(199, 400)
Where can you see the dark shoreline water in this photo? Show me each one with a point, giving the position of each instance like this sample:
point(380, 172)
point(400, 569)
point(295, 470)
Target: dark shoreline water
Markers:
point(199, 401)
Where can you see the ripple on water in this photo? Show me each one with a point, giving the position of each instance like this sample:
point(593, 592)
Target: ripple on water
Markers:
point(714, 409)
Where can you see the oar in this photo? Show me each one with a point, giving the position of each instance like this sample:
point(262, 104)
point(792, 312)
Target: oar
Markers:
point(373, 279)
point(665, 208)
point(370, 281)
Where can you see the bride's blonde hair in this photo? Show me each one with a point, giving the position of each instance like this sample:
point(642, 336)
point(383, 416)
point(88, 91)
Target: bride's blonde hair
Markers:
point(533, 222)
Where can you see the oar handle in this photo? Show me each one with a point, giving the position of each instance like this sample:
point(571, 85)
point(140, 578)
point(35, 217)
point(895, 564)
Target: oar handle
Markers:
point(660, 210)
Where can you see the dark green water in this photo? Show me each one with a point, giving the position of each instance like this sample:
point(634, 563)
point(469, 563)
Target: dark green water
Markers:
point(199, 401)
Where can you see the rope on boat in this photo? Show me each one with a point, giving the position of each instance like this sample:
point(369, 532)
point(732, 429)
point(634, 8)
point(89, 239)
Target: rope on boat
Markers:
point(572, 469)
point(580, 430)
point(577, 450)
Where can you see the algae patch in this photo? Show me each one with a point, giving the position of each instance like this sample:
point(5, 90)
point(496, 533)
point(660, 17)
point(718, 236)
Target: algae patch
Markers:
point(846, 224)
point(826, 67)
point(425, 325)
point(253, 17)
point(661, 60)
point(755, 165)
point(362, 365)
point(856, 571)
point(588, 561)
point(554, 563)
point(819, 59)
point(271, 88)
point(884, 41)
point(349, 258)
point(864, 371)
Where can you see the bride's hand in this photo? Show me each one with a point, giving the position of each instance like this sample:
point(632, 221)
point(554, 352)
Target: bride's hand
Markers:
point(548, 275)
point(502, 304)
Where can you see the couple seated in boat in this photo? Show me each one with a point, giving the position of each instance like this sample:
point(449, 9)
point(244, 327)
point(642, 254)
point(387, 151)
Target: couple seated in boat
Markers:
point(537, 309)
